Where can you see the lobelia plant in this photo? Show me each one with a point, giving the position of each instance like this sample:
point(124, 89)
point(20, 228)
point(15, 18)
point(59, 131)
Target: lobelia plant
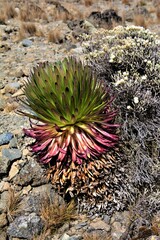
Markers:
point(73, 111)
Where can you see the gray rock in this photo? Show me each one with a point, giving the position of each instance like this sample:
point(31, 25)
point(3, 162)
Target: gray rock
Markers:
point(32, 173)
point(13, 143)
point(106, 219)
point(8, 156)
point(4, 197)
point(81, 225)
point(3, 220)
point(26, 43)
point(25, 226)
point(34, 200)
point(5, 138)
point(11, 154)
point(67, 237)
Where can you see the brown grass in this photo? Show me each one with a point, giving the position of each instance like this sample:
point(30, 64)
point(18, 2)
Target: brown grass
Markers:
point(55, 36)
point(88, 3)
point(31, 12)
point(139, 20)
point(9, 10)
point(55, 214)
point(96, 236)
point(14, 205)
point(158, 13)
point(126, 2)
point(3, 17)
point(28, 29)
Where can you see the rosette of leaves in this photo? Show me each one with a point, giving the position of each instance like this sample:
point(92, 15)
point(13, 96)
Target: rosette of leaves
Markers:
point(73, 113)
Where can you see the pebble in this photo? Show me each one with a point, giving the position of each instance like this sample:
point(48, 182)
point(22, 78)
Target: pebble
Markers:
point(5, 138)
point(13, 143)
point(12, 87)
point(67, 237)
point(3, 220)
point(101, 225)
point(4, 186)
point(13, 171)
point(26, 43)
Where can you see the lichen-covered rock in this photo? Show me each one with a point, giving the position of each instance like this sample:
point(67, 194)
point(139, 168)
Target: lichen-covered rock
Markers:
point(25, 226)
point(32, 173)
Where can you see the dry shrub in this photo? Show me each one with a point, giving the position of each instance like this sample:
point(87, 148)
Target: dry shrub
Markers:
point(30, 12)
point(29, 29)
point(158, 14)
point(55, 36)
point(3, 17)
point(88, 2)
point(14, 204)
point(9, 10)
point(55, 214)
point(64, 16)
point(96, 236)
point(126, 2)
point(139, 20)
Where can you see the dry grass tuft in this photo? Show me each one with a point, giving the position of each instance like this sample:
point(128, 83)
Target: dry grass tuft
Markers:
point(96, 236)
point(55, 214)
point(3, 17)
point(14, 205)
point(158, 14)
point(55, 36)
point(31, 12)
point(28, 29)
point(88, 3)
point(126, 2)
point(9, 10)
point(139, 20)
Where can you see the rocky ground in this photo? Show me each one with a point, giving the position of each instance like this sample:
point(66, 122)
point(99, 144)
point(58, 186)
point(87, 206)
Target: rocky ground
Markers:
point(54, 34)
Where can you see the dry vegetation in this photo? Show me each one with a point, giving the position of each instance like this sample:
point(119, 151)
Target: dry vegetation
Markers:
point(14, 204)
point(55, 36)
point(96, 236)
point(55, 214)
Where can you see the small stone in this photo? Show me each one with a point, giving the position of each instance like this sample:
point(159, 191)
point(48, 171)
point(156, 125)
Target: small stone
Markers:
point(26, 43)
point(4, 197)
point(4, 186)
point(100, 225)
point(8, 156)
point(5, 138)
point(13, 143)
point(81, 225)
point(67, 237)
point(106, 219)
point(25, 152)
point(12, 87)
point(18, 93)
point(3, 220)
point(13, 171)
point(26, 190)
point(25, 226)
